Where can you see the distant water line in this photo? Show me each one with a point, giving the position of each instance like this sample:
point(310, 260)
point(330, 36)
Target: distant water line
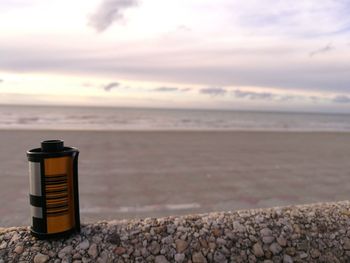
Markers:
point(94, 118)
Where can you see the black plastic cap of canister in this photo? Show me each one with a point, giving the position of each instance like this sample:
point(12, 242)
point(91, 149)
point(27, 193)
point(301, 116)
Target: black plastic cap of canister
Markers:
point(52, 146)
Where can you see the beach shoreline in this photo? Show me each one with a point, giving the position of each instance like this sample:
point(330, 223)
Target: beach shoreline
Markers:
point(132, 174)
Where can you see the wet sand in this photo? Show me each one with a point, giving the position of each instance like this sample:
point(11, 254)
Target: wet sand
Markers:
point(142, 174)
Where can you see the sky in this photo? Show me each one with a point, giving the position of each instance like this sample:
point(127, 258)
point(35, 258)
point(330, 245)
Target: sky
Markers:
point(225, 54)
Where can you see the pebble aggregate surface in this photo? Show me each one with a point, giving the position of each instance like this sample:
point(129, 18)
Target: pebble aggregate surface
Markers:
point(305, 233)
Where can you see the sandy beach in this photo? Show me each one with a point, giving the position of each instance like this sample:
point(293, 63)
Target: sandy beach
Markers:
point(142, 174)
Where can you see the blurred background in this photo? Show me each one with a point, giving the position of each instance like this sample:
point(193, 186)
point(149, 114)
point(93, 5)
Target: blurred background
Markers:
point(177, 107)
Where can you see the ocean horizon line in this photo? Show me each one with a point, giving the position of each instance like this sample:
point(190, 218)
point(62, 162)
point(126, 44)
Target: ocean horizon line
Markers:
point(153, 119)
point(316, 112)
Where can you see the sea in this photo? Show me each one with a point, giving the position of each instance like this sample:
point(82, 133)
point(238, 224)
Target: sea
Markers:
point(113, 118)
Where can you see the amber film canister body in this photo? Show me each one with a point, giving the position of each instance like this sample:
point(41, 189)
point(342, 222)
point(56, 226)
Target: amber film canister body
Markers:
point(53, 194)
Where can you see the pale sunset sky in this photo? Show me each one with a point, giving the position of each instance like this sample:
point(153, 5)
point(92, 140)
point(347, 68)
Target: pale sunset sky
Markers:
point(224, 54)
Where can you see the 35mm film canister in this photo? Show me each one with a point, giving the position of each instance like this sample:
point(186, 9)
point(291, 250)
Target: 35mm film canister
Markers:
point(54, 197)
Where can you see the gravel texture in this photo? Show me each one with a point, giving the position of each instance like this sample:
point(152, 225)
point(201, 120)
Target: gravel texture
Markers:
point(307, 233)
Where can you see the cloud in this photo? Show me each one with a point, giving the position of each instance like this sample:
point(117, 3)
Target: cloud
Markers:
point(165, 89)
point(110, 86)
point(269, 96)
point(217, 55)
point(325, 49)
point(253, 95)
point(341, 99)
point(314, 99)
point(241, 94)
point(108, 12)
point(171, 89)
point(246, 67)
point(213, 91)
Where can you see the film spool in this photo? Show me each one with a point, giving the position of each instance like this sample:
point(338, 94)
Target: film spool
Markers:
point(53, 194)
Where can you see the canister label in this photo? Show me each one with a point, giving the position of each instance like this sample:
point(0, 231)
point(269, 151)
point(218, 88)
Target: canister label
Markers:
point(58, 194)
